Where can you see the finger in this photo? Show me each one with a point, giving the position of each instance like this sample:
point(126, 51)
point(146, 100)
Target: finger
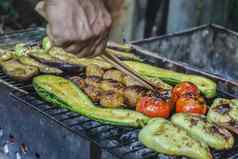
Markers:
point(56, 41)
point(40, 8)
point(101, 48)
point(100, 45)
point(85, 52)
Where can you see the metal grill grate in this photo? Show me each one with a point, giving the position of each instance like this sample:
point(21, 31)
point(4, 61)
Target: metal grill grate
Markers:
point(120, 141)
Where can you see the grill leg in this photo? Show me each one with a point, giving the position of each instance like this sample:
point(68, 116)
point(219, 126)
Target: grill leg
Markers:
point(95, 151)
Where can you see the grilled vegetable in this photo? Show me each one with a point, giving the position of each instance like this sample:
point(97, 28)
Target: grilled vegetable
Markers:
point(42, 67)
point(133, 94)
point(128, 81)
point(69, 58)
point(153, 107)
point(6, 56)
point(110, 85)
point(124, 55)
point(224, 112)
point(94, 70)
point(93, 81)
point(184, 88)
point(93, 92)
point(115, 75)
point(206, 86)
point(111, 99)
point(191, 104)
point(46, 44)
point(162, 136)
point(64, 93)
point(199, 128)
point(18, 71)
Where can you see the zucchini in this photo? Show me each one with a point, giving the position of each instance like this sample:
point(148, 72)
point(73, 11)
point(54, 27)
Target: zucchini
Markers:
point(224, 112)
point(164, 137)
point(206, 86)
point(199, 128)
point(64, 93)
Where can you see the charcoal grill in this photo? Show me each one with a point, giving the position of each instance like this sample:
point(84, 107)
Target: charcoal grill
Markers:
point(122, 142)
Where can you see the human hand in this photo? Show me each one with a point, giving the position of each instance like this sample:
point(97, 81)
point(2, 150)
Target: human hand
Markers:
point(78, 26)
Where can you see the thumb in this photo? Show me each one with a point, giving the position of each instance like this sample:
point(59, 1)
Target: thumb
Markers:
point(40, 9)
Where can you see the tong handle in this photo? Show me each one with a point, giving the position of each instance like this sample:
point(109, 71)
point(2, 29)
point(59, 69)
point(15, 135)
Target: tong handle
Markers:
point(117, 63)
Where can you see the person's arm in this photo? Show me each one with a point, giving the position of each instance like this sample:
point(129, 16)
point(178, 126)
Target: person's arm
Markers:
point(78, 26)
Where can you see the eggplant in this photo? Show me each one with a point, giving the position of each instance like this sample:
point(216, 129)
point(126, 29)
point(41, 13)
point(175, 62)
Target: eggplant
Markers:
point(19, 71)
point(69, 58)
point(47, 59)
point(42, 67)
point(164, 137)
point(224, 112)
point(201, 129)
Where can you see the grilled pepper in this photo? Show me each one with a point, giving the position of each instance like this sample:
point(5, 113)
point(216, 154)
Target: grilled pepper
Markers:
point(200, 129)
point(224, 112)
point(18, 71)
point(164, 137)
point(206, 86)
point(64, 93)
point(42, 67)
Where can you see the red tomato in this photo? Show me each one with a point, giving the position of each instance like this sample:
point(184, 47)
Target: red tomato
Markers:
point(153, 107)
point(186, 104)
point(184, 88)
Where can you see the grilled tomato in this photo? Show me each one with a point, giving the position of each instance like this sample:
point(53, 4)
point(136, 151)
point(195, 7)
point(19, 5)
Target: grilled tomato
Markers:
point(194, 104)
point(153, 107)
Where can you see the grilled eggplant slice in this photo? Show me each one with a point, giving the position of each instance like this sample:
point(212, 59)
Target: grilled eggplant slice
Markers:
point(112, 99)
point(18, 71)
point(94, 70)
point(42, 67)
point(113, 74)
point(224, 112)
point(69, 58)
point(164, 137)
point(206, 86)
point(64, 93)
point(201, 129)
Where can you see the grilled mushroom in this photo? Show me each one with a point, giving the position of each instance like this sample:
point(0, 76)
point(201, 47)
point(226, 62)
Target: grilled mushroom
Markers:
point(110, 85)
point(94, 70)
point(111, 99)
point(132, 94)
point(113, 74)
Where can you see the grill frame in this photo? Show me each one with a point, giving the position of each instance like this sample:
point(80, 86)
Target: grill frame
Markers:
point(24, 93)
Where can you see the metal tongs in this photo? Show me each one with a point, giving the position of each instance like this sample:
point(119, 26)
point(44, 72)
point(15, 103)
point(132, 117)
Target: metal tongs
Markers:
point(118, 64)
